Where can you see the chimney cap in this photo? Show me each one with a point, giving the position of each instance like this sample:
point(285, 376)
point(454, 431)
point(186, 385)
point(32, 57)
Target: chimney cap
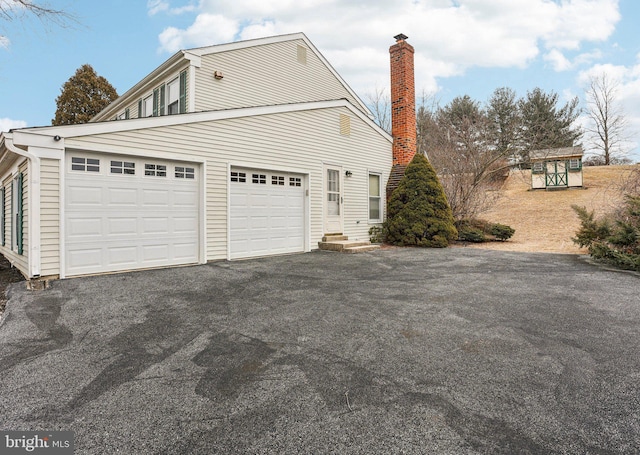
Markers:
point(401, 37)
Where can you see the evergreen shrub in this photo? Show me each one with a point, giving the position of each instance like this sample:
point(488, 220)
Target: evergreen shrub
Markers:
point(418, 212)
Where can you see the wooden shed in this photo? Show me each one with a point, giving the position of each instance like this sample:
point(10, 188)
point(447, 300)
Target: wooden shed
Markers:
point(556, 168)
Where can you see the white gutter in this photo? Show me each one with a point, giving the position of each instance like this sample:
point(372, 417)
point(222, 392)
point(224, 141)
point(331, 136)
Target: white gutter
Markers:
point(34, 256)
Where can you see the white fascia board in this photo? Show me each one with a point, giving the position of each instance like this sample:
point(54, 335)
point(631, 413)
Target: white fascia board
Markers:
point(88, 129)
point(216, 48)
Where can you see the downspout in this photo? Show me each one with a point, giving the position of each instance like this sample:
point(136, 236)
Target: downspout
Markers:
point(34, 206)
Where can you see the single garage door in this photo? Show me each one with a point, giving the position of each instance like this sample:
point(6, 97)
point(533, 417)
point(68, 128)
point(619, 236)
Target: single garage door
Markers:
point(123, 213)
point(266, 213)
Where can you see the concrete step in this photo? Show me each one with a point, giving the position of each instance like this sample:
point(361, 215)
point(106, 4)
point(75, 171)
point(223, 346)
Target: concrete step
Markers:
point(334, 237)
point(361, 249)
point(341, 245)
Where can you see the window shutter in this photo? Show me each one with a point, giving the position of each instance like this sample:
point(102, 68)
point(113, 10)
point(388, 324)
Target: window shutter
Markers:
point(126, 114)
point(140, 109)
point(162, 92)
point(183, 92)
point(3, 227)
point(19, 216)
point(156, 95)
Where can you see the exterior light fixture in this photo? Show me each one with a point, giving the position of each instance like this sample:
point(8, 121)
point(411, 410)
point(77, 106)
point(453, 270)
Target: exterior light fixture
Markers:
point(348, 173)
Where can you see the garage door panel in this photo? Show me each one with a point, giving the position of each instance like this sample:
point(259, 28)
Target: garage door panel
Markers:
point(155, 198)
point(122, 197)
point(121, 226)
point(265, 218)
point(121, 256)
point(85, 227)
point(125, 222)
point(185, 198)
point(84, 195)
point(187, 225)
point(156, 225)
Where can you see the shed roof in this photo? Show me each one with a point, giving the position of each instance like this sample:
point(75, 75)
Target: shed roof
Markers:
point(564, 152)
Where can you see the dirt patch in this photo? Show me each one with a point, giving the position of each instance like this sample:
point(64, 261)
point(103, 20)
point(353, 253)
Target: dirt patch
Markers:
point(8, 275)
point(544, 220)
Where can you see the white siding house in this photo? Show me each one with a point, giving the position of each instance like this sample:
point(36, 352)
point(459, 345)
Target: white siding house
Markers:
point(271, 151)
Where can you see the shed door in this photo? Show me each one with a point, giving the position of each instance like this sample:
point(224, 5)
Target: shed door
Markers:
point(123, 213)
point(267, 213)
point(556, 173)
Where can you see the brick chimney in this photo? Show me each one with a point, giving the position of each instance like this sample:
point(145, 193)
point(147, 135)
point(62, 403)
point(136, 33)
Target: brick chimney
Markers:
point(403, 109)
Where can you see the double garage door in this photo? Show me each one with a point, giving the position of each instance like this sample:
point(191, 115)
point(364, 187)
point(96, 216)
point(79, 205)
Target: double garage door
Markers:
point(267, 213)
point(123, 213)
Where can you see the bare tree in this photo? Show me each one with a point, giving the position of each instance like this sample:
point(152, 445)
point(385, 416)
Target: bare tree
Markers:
point(11, 10)
point(459, 144)
point(608, 123)
point(379, 102)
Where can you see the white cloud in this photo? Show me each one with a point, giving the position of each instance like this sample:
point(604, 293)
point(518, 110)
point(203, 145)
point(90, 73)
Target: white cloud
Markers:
point(157, 6)
point(162, 6)
point(207, 29)
point(558, 60)
point(449, 37)
point(7, 124)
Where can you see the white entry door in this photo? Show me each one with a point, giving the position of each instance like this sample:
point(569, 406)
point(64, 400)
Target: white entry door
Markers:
point(333, 213)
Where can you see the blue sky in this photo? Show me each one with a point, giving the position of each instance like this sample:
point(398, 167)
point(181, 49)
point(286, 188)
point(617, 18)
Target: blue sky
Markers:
point(462, 47)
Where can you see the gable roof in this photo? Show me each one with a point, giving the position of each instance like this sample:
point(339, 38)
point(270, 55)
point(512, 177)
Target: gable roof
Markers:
point(87, 129)
point(194, 56)
point(563, 152)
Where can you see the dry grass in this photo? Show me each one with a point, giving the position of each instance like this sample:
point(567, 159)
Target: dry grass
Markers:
point(544, 220)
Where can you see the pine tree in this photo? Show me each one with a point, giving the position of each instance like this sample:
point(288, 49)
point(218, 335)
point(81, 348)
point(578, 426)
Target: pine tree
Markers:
point(83, 96)
point(418, 212)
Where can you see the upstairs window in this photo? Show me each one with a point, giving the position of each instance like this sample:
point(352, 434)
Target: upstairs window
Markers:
point(173, 97)
point(147, 106)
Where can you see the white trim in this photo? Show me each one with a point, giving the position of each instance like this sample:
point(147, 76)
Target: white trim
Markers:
point(33, 228)
point(369, 219)
point(87, 129)
point(62, 231)
point(191, 89)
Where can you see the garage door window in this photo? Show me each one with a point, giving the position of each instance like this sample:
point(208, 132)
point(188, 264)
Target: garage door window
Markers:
point(123, 167)
point(260, 179)
point(238, 177)
point(155, 170)
point(295, 181)
point(185, 172)
point(277, 180)
point(85, 164)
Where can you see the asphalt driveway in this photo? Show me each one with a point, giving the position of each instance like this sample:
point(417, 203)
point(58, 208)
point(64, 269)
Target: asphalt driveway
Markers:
point(414, 351)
